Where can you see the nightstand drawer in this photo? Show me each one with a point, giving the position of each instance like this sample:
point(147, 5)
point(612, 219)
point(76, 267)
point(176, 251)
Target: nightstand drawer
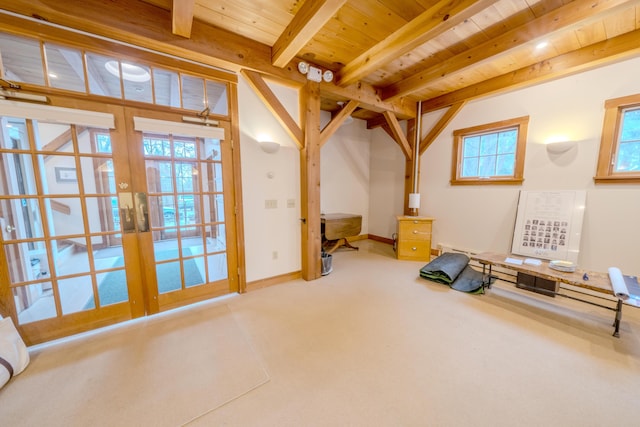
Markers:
point(414, 230)
point(416, 250)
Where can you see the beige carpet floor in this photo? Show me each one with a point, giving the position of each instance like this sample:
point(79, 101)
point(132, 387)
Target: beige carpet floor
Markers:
point(161, 371)
point(371, 344)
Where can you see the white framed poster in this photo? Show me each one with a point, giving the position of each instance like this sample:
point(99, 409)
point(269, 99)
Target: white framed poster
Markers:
point(549, 224)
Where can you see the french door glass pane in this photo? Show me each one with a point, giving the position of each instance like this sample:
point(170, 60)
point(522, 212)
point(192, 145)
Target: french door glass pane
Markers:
point(15, 134)
point(211, 150)
point(65, 216)
point(67, 250)
point(76, 294)
point(103, 214)
point(216, 238)
point(217, 267)
point(112, 287)
point(58, 174)
point(27, 223)
point(34, 302)
point(54, 137)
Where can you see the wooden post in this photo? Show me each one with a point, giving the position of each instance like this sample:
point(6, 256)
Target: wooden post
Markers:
point(310, 183)
point(409, 166)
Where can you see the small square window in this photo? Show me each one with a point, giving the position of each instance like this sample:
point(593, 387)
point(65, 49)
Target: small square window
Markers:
point(492, 153)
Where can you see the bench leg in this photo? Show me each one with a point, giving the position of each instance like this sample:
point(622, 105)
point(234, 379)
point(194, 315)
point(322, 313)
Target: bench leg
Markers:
point(616, 323)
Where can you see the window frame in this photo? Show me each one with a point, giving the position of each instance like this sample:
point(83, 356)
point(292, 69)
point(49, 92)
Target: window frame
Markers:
point(610, 141)
point(520, 123)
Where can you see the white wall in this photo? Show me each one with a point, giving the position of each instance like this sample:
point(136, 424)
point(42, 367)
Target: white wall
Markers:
point(344, 172)
point(481, 218)
point(387, 184)
point(269, 230)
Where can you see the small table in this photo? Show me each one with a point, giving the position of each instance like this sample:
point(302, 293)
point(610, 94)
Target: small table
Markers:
point(336, 228)
point(598, 282)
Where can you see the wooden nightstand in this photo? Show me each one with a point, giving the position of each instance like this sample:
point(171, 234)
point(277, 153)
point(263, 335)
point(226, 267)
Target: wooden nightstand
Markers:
point(414, 238)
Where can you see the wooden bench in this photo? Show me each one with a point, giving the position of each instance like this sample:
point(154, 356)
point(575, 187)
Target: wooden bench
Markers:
point(590, 280)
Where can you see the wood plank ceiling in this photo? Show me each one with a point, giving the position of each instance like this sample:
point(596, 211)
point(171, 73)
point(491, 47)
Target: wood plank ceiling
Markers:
point(386, 54)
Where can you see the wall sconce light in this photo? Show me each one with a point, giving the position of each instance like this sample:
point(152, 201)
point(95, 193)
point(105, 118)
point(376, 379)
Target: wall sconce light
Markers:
point(559, 147)
point(269, 147)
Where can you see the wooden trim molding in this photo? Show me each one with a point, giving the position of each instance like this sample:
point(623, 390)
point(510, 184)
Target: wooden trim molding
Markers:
point(275, 280)
point(605, 173)
point(380, 239)
point(521, 123)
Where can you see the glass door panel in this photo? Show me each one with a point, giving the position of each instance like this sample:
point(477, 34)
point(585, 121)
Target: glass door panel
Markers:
point(61, 228)
point(184, 182)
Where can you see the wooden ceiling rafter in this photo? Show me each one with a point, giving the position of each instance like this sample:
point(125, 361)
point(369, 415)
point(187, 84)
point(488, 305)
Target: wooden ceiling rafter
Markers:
point(615, 49)
point(311, 17)
point(441, 17)
point(337, 120)
point(440, 125)
point(577, 12)
point(397, 134)
point(264, 92)
point(182, 17)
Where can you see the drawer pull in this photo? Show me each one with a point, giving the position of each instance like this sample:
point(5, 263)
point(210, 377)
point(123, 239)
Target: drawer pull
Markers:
point(414, 248)
point(415, 231)
point(415, 221)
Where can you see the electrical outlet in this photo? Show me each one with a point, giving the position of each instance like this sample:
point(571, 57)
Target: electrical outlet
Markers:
point(270, 204)
point(274, 255)
point(291, 203)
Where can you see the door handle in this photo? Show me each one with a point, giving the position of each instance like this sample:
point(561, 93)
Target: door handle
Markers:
point(10, 228)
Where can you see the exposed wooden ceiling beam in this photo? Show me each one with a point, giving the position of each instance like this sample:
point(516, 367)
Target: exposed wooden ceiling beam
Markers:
point(278, 110)
point(369, 99)
point(442, 16)
point(439, 127)
point(578, 11)
point(397, 134)
point(598, 54)
point(305, 24)
point(337, 120)
point(182, 17)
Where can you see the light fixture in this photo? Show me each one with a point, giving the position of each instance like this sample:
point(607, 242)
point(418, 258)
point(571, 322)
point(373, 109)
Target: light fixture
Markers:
point(269, 147)
point(314, 73)
point(542, 45)
point(559, 144)
point(130, 72)
point(414, 201)
point(303, 67)
point(560, 147)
